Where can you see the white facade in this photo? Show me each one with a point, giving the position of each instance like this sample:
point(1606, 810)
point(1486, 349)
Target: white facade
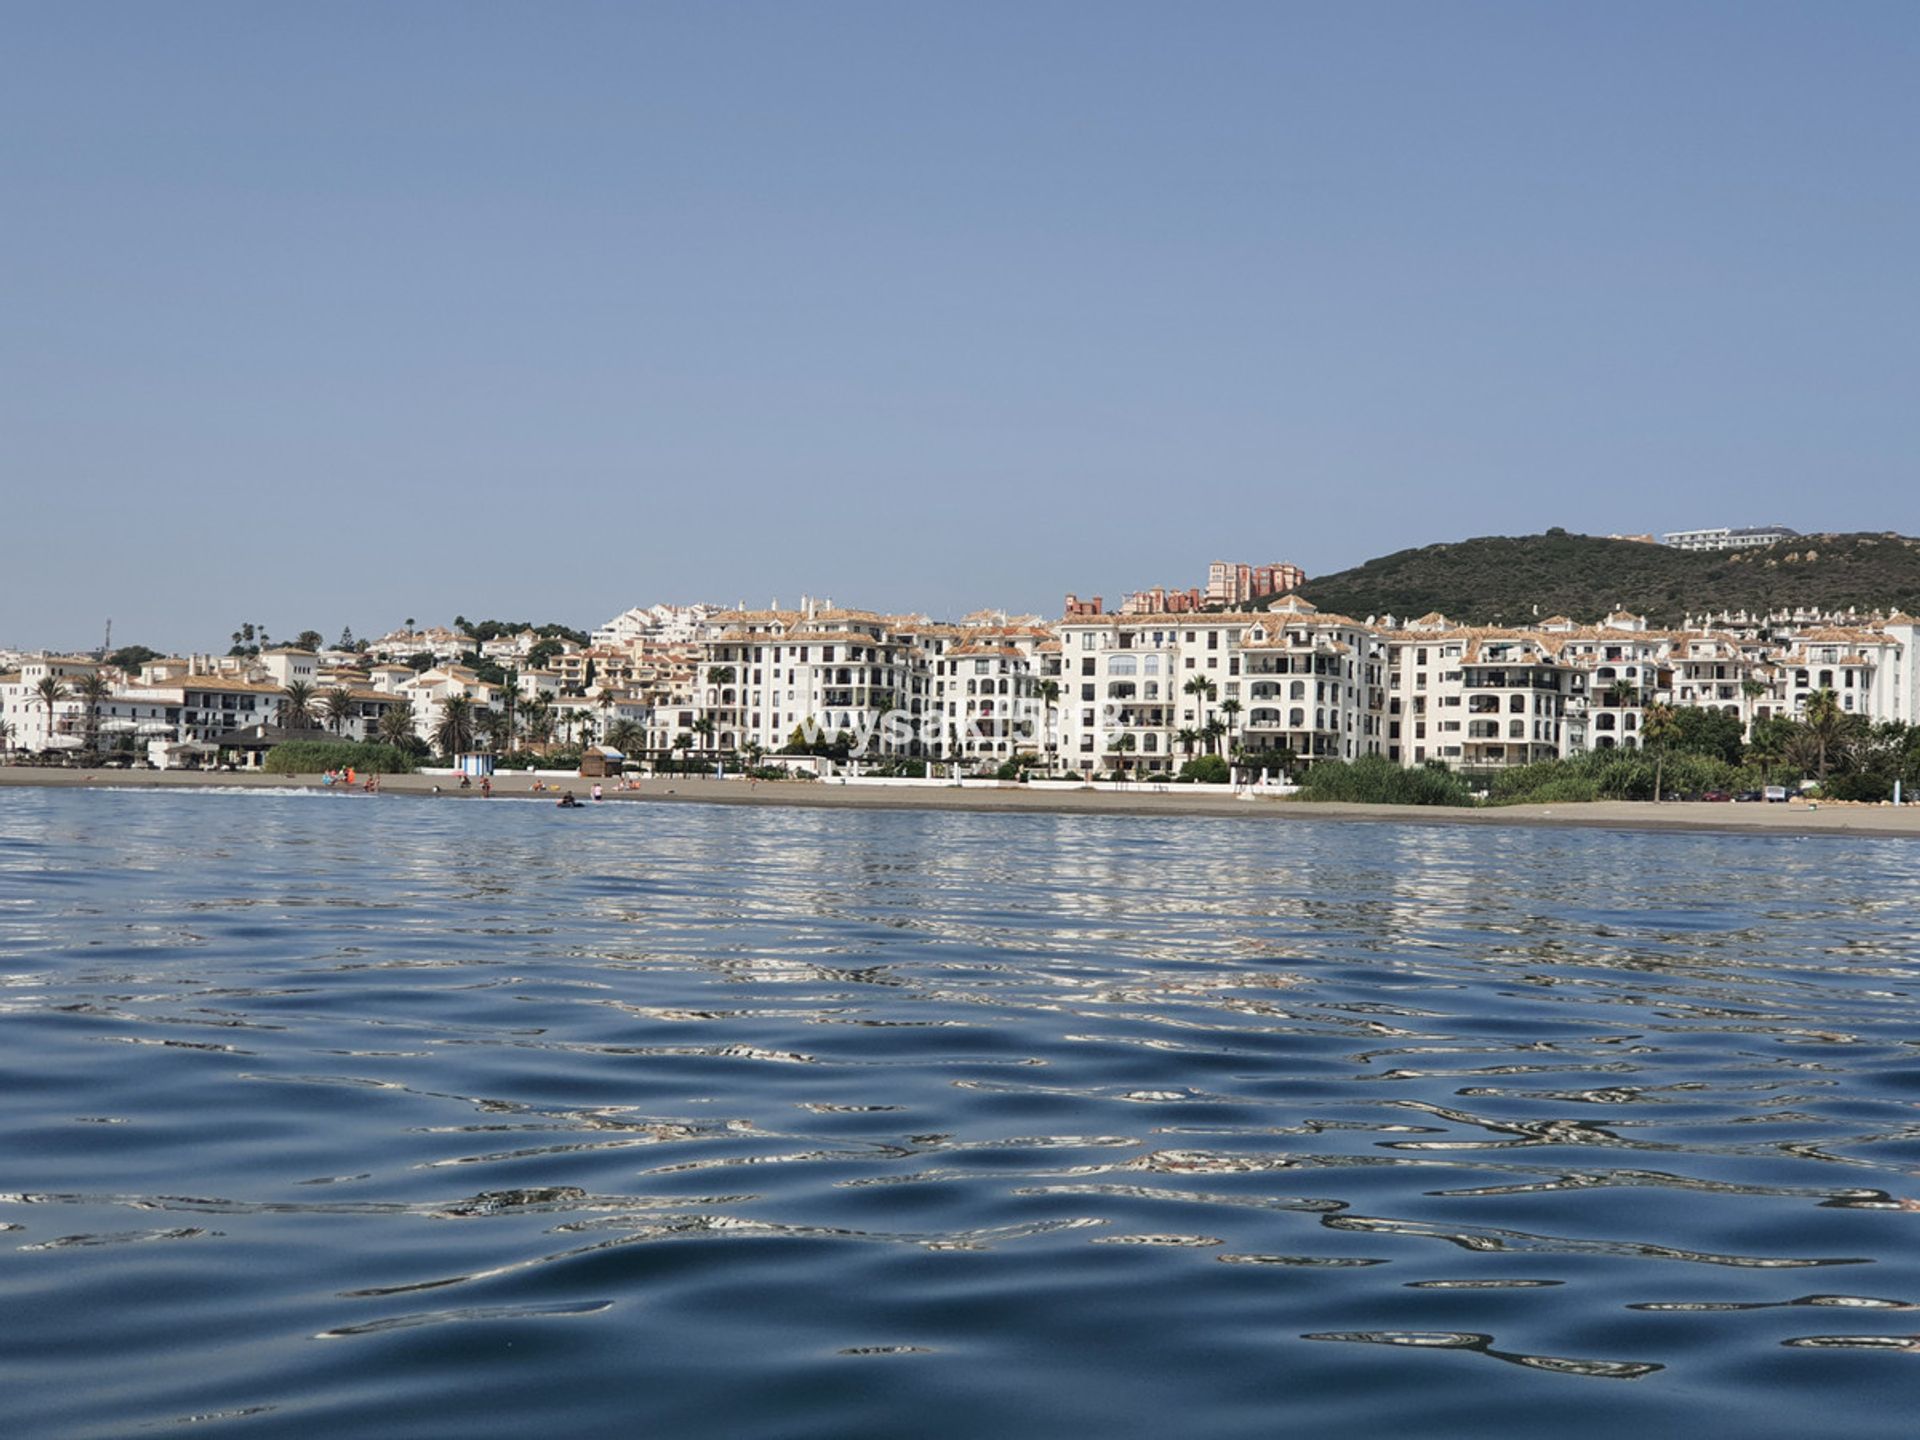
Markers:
point(1724, 538)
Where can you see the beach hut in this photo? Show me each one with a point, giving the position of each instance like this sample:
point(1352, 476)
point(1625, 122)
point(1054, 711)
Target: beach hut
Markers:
point(598, 762)
point(475, 763)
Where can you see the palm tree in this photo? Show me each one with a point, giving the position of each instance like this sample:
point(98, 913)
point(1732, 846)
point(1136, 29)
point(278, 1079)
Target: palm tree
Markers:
point(1826, 724)
point(396, 725)
point(1186, 737)
point(1231, 709)
point(296, 711)
point(1049, 693)
point(337, 705)
point(6, 734)
point(495, 725)
point(50, 691)
point(703, 727)
point(96, 692)
point(454, 732)
point(626, 736)
point(1120, 746)
point(1621, 692)
point(1202, 686)
point(536, 718)
point(682, 743)
point(1214, 729)
point(509, 689)
point(1657, 729)
point(1750, 691)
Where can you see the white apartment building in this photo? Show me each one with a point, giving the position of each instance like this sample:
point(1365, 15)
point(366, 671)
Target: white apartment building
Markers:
point(660, 624)
point(1480, 698)
point(1724, 538)
point(31, 724)
point(1140, 693)
point(768, 672)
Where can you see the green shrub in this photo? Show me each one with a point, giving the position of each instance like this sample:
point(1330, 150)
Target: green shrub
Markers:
point(1376, 780)
point(568, 759)
point(1617, 775)
point(311, 757)
point(1207, 770)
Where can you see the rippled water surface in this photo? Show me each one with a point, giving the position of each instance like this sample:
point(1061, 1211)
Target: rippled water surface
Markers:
point(360, 1115)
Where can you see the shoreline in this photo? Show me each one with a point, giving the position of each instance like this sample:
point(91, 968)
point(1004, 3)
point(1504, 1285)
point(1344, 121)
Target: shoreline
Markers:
point(1794, 818)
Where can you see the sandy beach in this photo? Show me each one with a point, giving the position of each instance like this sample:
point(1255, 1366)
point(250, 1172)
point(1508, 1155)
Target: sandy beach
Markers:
point(1796, 817)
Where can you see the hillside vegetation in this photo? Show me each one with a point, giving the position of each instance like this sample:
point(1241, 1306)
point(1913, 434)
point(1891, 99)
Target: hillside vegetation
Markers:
point(1511, 580)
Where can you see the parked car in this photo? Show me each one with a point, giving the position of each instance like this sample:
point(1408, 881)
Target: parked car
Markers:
point(1776, 794)
point(1747, 796)
point(1715, 795)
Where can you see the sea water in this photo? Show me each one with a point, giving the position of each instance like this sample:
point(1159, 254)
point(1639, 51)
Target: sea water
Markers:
point(326, 1115)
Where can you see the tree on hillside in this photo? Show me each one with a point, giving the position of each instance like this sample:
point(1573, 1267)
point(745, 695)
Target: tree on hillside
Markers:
point(129, 658)
point(308, 640)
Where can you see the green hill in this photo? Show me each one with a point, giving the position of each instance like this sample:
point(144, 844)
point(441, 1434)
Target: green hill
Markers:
point(1514, 579)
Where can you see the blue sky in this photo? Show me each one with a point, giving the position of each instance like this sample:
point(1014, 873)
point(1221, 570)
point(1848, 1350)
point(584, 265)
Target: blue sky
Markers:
point(338, 314)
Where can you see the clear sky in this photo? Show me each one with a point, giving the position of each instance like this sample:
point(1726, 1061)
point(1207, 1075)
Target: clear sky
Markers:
point(334, 314)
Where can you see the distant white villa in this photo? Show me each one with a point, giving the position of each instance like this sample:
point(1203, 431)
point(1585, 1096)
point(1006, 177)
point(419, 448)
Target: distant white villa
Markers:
point(1723, 538)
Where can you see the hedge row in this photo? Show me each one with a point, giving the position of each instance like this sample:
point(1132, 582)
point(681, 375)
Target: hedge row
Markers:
point(312, 757)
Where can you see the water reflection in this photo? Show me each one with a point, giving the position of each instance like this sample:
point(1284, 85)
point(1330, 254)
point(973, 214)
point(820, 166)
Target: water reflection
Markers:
point(746, 1093)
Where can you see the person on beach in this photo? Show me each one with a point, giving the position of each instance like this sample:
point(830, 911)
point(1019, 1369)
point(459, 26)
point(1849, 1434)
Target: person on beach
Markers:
point(466, 782)
point(486, 787)
point(596, 791)
point(567, 802)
